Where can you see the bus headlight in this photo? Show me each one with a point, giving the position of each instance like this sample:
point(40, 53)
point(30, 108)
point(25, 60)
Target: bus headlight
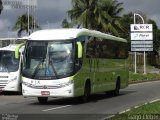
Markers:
point(13, 79)
point(66, 83)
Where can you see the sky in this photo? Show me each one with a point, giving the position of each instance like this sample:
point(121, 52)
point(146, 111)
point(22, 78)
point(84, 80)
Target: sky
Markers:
point(50, 13)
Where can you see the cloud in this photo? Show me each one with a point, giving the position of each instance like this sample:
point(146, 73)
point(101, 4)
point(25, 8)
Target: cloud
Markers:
point(49, 25)
point(149, 7)
point(4, 24)
point(52, 10)
point(5, 29)
point(156, 17)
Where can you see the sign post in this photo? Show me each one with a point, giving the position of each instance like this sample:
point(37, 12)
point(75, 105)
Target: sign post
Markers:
point(141, 39)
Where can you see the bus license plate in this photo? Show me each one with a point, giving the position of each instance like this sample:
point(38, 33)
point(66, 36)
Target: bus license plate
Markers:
point(44, 93)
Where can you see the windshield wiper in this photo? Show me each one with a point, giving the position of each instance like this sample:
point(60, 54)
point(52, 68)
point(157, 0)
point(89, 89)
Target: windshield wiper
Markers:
point(36, 69)
point(54, 70)
point(41, 61)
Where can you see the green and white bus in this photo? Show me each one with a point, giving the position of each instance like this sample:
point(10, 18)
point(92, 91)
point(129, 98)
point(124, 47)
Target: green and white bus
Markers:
point(72, 63)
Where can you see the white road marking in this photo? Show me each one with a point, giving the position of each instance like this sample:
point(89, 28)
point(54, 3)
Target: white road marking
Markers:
point(127, 110)
point(156, 100)
point(122, 112)
point(141, 83)
point(136, 106)
point(108, 117)
point(146, 103)
point(56, 108)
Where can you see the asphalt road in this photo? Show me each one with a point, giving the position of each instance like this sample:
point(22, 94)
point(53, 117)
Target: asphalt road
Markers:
point(98, 108)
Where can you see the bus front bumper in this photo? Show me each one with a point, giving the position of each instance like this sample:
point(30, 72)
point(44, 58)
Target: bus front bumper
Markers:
point(67, 91)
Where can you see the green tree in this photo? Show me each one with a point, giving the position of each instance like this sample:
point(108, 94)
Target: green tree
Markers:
point(156, 36)
point(1, 7)
point(83, 13)
point(99, 15)
point(66, 24)
point(125, 21)
point(153, 56)
point(110, 18)
point(22, 24)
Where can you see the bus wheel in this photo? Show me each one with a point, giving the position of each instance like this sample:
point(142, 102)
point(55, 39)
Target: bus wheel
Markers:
point(42, 100)
point(87, 91)
point(117, 89)
point(20, 89)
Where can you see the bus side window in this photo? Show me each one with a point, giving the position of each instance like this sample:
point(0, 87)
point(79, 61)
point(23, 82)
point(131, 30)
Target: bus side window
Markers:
point(122, 51)
point(92, 48)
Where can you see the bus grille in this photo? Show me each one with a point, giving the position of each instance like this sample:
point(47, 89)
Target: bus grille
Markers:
point(40, 87)
point(3, 83)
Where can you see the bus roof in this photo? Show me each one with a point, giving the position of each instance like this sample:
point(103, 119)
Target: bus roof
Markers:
point(11, 47)
point(69, 33)
point(11, 39)
point(4, 39)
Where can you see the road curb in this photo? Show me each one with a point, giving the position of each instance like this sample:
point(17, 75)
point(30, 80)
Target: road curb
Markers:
point(129, 109)
point(144, 81)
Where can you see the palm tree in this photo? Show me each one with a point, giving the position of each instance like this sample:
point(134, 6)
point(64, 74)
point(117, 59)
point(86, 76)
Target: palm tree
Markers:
point(66, 24)
point(112, 10)
point(125, 21)
point(100, 15)
point(82, 13)
point(22, 24)
point(1, 7)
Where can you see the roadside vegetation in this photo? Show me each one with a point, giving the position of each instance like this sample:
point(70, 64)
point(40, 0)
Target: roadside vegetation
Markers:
point(152, 74)
point(146, 112)
point(140, 77)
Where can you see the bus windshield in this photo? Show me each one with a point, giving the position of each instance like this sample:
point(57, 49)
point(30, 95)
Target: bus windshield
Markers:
point(8, 63)
point(48, 59)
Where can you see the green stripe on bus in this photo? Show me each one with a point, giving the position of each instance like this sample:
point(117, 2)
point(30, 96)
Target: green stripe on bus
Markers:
point(79, 49)
point(17, 50)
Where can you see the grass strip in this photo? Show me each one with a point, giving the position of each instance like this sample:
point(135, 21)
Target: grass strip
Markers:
point(150, 111)
point(140, 77)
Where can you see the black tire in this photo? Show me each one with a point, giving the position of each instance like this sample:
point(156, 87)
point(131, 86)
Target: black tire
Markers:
point(87, 92)
point(20, 90)
point(42, 100)
point(117, 89)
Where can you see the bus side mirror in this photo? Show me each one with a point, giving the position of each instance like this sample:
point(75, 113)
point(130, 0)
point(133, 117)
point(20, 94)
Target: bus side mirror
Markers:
point(79, 50)
point(17, 50)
